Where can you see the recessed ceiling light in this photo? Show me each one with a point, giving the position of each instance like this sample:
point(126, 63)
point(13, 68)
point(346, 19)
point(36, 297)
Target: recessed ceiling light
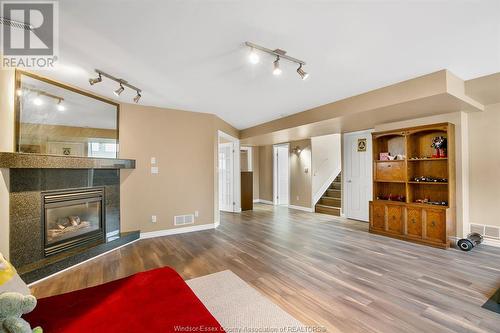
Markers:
point(277, 69)
point(253, 57)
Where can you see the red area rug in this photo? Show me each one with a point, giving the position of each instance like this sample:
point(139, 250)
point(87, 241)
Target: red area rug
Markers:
point(154, 301)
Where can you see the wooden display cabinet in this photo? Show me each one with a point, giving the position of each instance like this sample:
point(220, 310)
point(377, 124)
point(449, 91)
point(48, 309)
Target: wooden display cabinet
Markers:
point(409, 209)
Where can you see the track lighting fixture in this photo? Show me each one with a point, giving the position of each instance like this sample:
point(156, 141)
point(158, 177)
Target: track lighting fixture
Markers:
point(302, 73)
point(118, 91)
point(122, 83)
point(96, 80)
point(137, 97)
point(277, 70)
point(280, 54)
point(60, 106)
point(253, 57)
point(38, 101)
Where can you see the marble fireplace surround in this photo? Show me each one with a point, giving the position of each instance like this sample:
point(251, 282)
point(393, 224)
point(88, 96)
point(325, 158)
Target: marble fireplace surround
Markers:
point(32, 174)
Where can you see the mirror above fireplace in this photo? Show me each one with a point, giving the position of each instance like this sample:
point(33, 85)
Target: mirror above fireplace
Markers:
point(55, 119)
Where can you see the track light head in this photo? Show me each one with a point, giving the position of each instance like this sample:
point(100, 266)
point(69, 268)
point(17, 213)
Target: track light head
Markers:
point(96, 80)
point(60, 106)
point(137, 97)
point(277, 69)
point(304, 75)
point(253, 57)
point(118, 91)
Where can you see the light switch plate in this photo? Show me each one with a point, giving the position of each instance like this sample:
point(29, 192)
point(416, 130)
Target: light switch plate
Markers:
point(153, 218)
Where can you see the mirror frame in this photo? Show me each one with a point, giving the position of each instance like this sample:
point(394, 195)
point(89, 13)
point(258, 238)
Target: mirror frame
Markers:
point(17, 107)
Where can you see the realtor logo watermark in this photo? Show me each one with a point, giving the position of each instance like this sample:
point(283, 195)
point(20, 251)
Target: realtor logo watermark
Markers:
point(29, 34)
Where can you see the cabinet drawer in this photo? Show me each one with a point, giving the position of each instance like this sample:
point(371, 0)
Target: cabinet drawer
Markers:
point(435, 225)
point(389, 171)
point(394, 218)
point(414, 222)
point(378, 216)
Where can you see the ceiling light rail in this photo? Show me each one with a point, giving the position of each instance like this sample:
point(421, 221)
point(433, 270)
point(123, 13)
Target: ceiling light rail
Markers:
point(123, 83)
point(280, 54)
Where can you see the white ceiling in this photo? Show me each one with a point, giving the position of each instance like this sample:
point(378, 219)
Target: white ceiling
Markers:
point(189, 54)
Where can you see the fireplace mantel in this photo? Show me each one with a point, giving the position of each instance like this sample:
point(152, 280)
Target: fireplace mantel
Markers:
point(37, 161)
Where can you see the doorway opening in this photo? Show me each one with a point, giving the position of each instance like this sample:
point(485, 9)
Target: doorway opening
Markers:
point(228, 173)
point(281, 174)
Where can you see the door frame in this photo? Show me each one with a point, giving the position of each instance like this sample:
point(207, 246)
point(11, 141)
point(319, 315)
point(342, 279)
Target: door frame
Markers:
point(275, 172)
point(236, 179)
point(345, 194)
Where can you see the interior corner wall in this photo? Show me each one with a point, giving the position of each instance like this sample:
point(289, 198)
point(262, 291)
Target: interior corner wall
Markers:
point(300, 174)
point(459, 119)
point(185, 147)
point(266, 173)
point(484, 163)
point(7, 87)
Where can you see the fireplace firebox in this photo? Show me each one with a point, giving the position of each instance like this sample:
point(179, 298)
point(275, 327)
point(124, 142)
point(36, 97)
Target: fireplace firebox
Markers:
point(72, 218)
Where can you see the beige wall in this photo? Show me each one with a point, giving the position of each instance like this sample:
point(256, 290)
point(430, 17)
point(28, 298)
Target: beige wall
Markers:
point(266, 173)
point(300, 174)
point(6, 144)
point(326, 162)
point(484, 166)
point(184, 144)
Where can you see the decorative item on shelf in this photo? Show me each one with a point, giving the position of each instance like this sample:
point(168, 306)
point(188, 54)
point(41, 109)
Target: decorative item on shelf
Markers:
point(400, 157)
point(391, 197)
point(385, 156)
point(429, 202)
point(428, 179)
point(439, 143)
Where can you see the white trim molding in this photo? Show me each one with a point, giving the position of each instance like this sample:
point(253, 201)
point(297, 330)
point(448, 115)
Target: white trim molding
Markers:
point(491, 242)
point(175, 231)
point(305, 209)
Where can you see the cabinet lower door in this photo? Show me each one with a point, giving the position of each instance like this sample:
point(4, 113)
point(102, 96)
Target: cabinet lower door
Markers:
point(394, 219)
point(378, 216)
point(414, 222)
point(435, 225)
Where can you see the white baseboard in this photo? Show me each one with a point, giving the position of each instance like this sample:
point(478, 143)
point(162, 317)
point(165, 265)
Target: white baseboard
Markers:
point(175, 231)
point(255, 200)
point(491, 242)
point(305, 209)
point(81, 263)
point(267, 202)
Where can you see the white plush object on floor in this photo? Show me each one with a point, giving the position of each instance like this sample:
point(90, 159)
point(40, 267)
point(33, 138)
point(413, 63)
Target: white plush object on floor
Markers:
point(236, 305)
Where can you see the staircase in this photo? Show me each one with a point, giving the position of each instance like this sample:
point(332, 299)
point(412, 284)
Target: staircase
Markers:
point(330, 202)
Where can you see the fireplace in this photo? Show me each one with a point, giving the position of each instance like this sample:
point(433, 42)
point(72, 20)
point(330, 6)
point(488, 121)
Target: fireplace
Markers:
point(72, 218)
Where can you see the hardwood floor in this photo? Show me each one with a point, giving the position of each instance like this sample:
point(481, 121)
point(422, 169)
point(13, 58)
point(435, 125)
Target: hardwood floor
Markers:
point(322, 269)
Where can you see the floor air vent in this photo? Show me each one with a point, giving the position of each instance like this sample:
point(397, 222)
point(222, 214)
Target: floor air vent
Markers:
point(183, 219)
point(488, 231)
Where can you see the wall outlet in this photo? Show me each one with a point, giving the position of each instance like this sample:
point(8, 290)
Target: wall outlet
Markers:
point(196, 213)
point(153, 160)
point(153, 218)
point(154, 170)
point(298, 198)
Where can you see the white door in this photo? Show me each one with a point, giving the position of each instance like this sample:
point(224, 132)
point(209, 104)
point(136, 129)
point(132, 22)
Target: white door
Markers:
point(357, 174)
point(281, 175)
point(226, 167)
